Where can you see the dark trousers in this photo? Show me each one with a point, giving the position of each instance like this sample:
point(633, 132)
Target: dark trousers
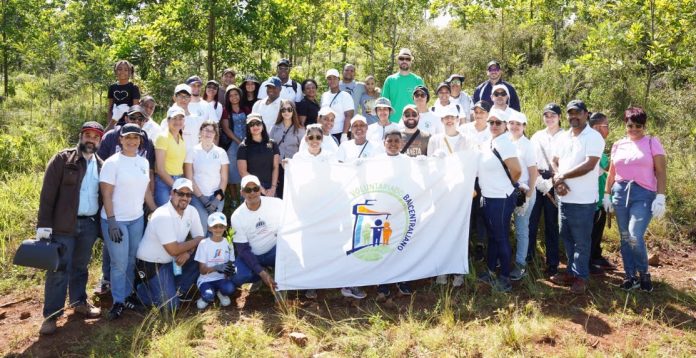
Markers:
point(545, 206)
point(600, 219)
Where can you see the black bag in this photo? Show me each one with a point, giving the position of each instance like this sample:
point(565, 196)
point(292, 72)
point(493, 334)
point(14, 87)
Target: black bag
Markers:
point(519, 196)
point(42, 254)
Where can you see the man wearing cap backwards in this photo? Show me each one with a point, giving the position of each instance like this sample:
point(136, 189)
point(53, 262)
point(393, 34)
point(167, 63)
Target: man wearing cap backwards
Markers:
point(484, 90)
point(289, 89)
point(443, 100)
point(256, 225)
point(398, 88)
point(460, 97)
point(269, 106)
point(359, 146)
point(377, 131)
point(427, 120)
point(68, 206)
point(326, 118)
point(415, 140)
point(342, 104)
point(229, 77)
point(349, 84)
point(165, 259)
point(545, 141)
point(196, 105)
point(575, 181)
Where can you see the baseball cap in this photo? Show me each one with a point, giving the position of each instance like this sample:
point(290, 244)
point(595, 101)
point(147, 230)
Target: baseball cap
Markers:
point(92, 126)
point(576, 104)
point(484, 105)
point(326, 110)
point(501, 87)
point(492, 63)
point(331, 72)
point(552, 107)
point(448, 111)
point(131, 128)
point(217, 218)
point(229, 70)
point(518, 117)
point(405, 52)
point(250, 179)
point(411, 107)
point(194, 79)
point(455, 76)
point(254, 117)
point(182, 183)
point(212, 82)
point(274, 81)
point(174, 111)
point(284, 62)
point(357, 118)
point(383, 102)
point(422, 89)
point(443, 85)
point(137, 109)
point(251, 78)
point(182, 87)
point(499, 113)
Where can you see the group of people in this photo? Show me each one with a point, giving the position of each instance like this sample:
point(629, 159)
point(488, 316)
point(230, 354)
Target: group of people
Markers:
point(155, 192)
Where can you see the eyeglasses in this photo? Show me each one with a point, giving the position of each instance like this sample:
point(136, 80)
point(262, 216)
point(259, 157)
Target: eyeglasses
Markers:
point(286, 109)
point(405, 59)
point(283, 68)
point(183, 96)
point(208, 130)
point(495, 123)
point(419, 94)
point(183, 195)
point(494, 69)
point(249, 190)
point(499, 94)
point(410, 114)
point(314, 137)
point(255, 123)
point(635, 125)
point(456, 82)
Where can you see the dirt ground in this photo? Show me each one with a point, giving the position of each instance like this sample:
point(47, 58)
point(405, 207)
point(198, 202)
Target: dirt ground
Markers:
point(20, 313)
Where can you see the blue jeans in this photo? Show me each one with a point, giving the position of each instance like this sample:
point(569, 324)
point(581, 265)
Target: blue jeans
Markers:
point(576, 232)
point(122, 256)
point(633, 208)
point(163, 191)
point(522, 232)
point(202, 213)
point(106, 263)
point(244, 272)
point(73, 279)
point(544, 205)
point(234, 177)
point(497, 212)
point(161, 289)
point(209, 289)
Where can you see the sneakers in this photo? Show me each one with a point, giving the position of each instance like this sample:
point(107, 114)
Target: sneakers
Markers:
point(310, 294)
point(478, 253)
point(487, 278)
point(404, 288)
point(441, 280)
point(201, 304)
point(502, 284)
point(186, 296)
point(383, 293)
point(603, 263)
point(48, 327)
point(458, 280)
point(518, 272)
point(116, 311)
point(133, 303)
point(353, 292)
point(563, 279)
point(579, 286)
point(102, 288)
point(645, 282)
point(629, 283)
point(87, 310)
point(224, 300)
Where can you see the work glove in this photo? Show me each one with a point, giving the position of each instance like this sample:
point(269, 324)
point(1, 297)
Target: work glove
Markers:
point(659, 206)
point(441, 154)
point(606, 203)
point(344, 137)
point(359, 161)
point(43, 233)
point(543, 185)
point(524, 187)
point(204, 200)
point(521, 210)
point(230, 269)
point(114, 232)
point(421, 158)
point(212, 205)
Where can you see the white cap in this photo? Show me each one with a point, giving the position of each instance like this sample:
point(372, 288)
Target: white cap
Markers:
point(216, 218)
point(502, 87)
point(411, 107)
point(332, 72)
point(518, 117)
point(357, 118)
point(182, 183)
point(448, 111)
point(498, 113)
point(174, 111)
point(326, 110)
point(182, 87)
point(250, 179)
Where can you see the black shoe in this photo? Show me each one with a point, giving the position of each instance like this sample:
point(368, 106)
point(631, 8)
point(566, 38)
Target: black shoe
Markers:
point(596, 270)
point(645, 282)
point(404, 288)
point(603, 263)
point(478, 253)
point(551, 271)
point(116, 311)
point(629, 284)
point(133, 303)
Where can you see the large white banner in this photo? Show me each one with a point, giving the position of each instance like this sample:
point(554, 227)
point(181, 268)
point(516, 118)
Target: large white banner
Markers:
point(383, 221)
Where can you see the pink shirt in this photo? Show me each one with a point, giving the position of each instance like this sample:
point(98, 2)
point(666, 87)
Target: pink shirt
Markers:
point(633, 160)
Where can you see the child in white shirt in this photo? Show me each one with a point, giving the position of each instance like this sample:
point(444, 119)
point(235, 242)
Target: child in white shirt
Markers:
point(215, 258)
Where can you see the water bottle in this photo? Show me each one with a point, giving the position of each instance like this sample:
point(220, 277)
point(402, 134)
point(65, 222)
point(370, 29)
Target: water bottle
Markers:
point(176, 269)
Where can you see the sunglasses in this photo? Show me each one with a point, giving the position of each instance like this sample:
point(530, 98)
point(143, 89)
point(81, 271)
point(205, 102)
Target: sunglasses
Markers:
point(254, 124)
point(419, 94)
point(286, 109)
point(314, 137)
point(499, 94)
point(635, 125)
point(137, 117)
point(410, 114)
point(183, 195)
point(456, 82)
point(495, 123)
point(249, 190)
point(494, 69)
point(405, 59)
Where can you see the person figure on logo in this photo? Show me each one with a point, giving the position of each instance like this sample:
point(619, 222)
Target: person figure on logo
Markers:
point(377, 233)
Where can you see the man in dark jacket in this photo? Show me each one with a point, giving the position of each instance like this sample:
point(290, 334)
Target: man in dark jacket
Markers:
point(495, 77)
point(68, 207)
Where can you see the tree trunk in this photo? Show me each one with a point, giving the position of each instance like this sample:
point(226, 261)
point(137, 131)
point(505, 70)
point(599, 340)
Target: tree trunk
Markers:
point(502, 34)
point(344, 46)
point(211, 40)
point(5, 71)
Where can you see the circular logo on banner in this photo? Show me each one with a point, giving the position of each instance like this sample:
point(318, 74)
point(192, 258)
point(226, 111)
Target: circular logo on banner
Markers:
point(384, 219)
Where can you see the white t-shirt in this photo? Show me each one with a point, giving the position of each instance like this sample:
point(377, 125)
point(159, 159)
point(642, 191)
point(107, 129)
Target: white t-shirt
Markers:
point(573, 150)
point(268, 112)
point(324, 156)
point(476, 137)
point(545, 144)
point(526, 156)
point(328, 144)
point(206, 167)
point(439, 144)
point(259, 228)
point(212, 113)
point(286, 91)
point(427, 122)
point(212, 254)
point(340, 102)
point(152, 129)
point(166, 226)
point(199, 108)
point(438, 107)
point(376, 132)
point(464, 102)
point(349, 151)
point(493, 180)
point(130, 177)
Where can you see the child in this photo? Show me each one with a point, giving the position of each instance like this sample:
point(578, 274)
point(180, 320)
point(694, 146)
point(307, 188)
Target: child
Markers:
point(215, 258)
point(121, 94)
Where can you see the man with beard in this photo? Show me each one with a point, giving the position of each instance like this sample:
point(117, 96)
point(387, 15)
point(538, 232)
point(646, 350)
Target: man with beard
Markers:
point(415, 140)
point(495, 77)
point(398, 88)
point(68, 206)
point(197, 104)
point(349, 84)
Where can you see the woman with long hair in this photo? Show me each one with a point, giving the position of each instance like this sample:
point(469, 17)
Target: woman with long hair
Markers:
point(258, 155)
point(287, 133)
point(250, 92)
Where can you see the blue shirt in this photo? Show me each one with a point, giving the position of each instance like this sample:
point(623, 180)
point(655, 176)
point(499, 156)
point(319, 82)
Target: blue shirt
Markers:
point(89, 190)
